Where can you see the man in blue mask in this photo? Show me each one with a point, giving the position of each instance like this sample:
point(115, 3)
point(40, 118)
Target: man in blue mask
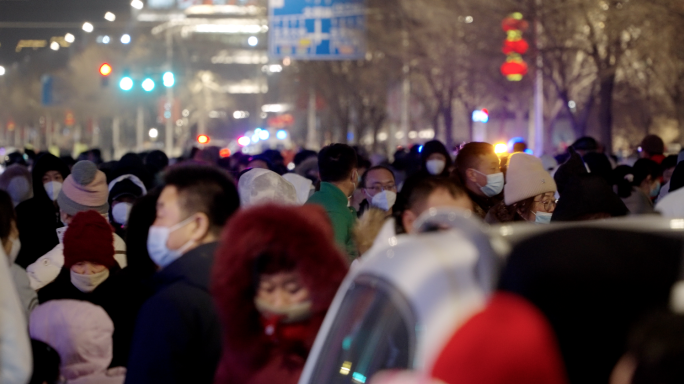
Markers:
point(478, 168)
point(177, 335)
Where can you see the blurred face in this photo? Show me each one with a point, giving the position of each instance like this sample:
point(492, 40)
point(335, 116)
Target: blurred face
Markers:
point(66, 218)
point(52, 176)
point(282, 290)
point(440, 198)
point(87, 268)
point(436, 156)
point(379, 180)
point(545, 202)
point(257, 164)
point(170, 212)
point(477, 176)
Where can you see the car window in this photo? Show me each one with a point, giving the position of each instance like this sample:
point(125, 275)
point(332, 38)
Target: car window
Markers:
point(374, 330)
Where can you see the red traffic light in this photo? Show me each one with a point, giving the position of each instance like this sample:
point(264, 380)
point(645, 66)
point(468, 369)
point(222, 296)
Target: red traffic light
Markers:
point(203, 139)
point(224, 152)
point(105, 69)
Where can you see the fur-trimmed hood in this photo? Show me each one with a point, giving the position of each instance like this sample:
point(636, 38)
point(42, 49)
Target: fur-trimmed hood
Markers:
point(299, 236)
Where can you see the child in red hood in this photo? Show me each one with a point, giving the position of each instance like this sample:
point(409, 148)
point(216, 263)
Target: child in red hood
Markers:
point(275, 274)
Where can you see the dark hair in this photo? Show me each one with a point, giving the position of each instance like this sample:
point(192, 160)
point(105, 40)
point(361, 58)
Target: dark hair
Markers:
point(375, 168)
point(419, 192)
point(303, 155)
point(585, 143)
point(156, 160)
point(657, 345)
point(677, 180)
point(626, 177)
point(143, 214)
point(669, 162)
point(7, 215)
point(524, 206)
point(46, 363)
point(336, 162)
point(205, 189)
point(469, 157)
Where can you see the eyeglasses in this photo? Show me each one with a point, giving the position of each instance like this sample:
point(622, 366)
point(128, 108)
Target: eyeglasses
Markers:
point(548, 204)
point(380, 188)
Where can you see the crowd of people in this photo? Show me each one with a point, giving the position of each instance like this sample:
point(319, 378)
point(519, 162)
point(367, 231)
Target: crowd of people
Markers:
point(221, 270)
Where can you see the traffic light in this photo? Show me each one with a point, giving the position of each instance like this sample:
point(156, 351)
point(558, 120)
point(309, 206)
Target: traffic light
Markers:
point(148, 84)
point(105, 71)
point(203, 139)
point(168, 79)
point(126, 83)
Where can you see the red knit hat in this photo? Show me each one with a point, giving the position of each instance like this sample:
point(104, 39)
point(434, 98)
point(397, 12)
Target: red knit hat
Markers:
point(509, 342)
point(89, 237)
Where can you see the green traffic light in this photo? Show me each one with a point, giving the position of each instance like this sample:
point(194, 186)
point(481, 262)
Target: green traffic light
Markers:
point(168, 79)
point(126, 83)
point(148, 85)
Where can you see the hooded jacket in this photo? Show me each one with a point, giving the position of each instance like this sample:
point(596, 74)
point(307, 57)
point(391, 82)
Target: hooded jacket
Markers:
point(177, 336)
point(16, 180)
point(38, 217)
point(298, 237)
point(82, 335)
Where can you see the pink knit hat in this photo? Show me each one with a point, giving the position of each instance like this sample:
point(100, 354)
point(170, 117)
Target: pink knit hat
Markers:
point(526, 177)
point(84, 189)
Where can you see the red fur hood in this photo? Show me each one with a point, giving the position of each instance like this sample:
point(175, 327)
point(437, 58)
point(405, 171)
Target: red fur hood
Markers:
point(301, 236)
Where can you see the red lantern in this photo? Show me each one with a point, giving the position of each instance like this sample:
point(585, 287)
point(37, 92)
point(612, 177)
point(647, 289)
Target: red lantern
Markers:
point(515, 46)
point(514, 70)
point(511, 24)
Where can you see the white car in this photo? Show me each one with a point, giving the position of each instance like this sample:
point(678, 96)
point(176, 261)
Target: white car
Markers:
point(402, 303)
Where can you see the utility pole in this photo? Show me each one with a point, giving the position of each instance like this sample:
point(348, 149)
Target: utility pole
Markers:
point(538, 142)
point(139, 129)
point(116, 127)
point(169, 97)
point(311, 137)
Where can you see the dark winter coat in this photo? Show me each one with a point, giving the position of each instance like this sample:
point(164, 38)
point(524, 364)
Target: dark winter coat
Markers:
point(280, 238)
point(38, 217)
point(177, 336)
point(112, 296)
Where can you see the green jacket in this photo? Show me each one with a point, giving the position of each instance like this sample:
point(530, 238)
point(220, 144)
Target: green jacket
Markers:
point(341, 215)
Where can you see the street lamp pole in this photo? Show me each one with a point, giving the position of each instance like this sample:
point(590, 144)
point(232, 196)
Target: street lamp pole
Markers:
point(168, 138)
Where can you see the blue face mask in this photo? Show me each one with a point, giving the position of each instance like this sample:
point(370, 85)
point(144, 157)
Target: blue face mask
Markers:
point(495, 184)
point(655, 191)
point(542, 217)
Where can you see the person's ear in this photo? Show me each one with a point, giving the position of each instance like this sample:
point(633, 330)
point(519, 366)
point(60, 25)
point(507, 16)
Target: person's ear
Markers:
point(471, 175)
point(201, 227)
point(407, 220)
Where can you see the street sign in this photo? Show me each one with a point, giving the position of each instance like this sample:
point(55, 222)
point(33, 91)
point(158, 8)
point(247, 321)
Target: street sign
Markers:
point(317, 29)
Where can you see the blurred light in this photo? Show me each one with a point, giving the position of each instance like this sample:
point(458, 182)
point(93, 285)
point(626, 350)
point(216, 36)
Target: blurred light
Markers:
point(148, 85)
point(137, 4)
point(247, 26)
point(480, 116)
point(54, 46)
point(253, 41)
point(500, 148)
point(126, 83)
point(69, 38)
point(153, 133)
point(126, 39)
point(287, 61)
point(639, 149)
point(224, 152)
point(358, 377)
point(105, 39)
point(291, 166)
point(168, 79)
point(413, 134)
point(677, 224)
point(382, 136)
point(346, 367)
point(2, 70)
point(244, 141)
point(264, 134)
point(110, 16)
point(203, 139)
point(273, 68)
point(529, 151)
point(512, 142)
point(469, 19)
point(420, 149)
point(240, 114)
point(517, 15)
point(105, 69)
point(281, 134)
point(572, 104)
point(255, 138)
point(88, 27)
point(275, 108)
point(186, 113)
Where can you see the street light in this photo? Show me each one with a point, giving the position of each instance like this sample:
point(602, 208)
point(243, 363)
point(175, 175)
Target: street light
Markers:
point(203, 139)
point(54, 46)
point(153, 133)
point(2, 70)
point(253, 41)
point(168, 79)
point(105, 40)
point(88, 27)
point(125, 39)
point(148, 85)
point(69, 38)
point(110, 16)
point(137, 4)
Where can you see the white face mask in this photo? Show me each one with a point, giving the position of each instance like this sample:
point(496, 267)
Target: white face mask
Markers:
point(495, 184)
point(53, 188)
point(88, 283)
point(290, 314)
point(542, 217)
point(384, 200)
point(120, 213)
point(14, 252)
point(435, 167)
point(156, 243)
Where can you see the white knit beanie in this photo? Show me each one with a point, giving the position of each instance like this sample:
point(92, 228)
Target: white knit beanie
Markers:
point(526, 178)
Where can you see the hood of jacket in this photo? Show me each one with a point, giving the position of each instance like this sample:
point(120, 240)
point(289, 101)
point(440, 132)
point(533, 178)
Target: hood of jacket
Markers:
point(46, 162)
point(300, 238)
point(79, 331)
